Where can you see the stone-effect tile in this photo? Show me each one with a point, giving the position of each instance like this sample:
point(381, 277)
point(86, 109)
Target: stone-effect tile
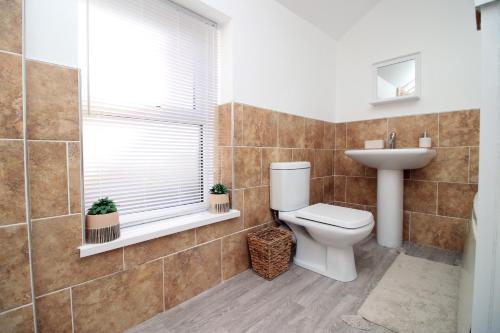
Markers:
point(456, 199)
point(12, 209)
point(11, 26)
point(444, 232)
point(270, 155)
point(52, 102)
point(74, 177)
point(217, 165)
point(305, 155)
point(224, 125)
point(315, 133)
point(460, 128)
point(316, 191)
point(19, 320)
point(235, 255)
point(340, 136)
point(346, 166)
point(260, 127)
point(15, 289)
point(54, 312)
point(340, 188)
point(329, 189)
point(256, 204)
point(139, 253)
point(449, 165)
point(406, 226)
point(48, 179)
point(11, 100)
point(56, 259)
point(361, 190)
point(323, 162)
point(410, 128)
point(238, 124)
point(420, 196)
point(370, 172)
point(474, 165)
point(292, 131)
point(329, 136)
point(119, 301)
point(217, 230)
point(191, 272)
point(360, 131)
point(226, 170)
point(247, 167)
point(236, 197)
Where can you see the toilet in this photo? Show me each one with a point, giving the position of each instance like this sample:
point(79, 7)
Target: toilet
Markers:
point(325, 233)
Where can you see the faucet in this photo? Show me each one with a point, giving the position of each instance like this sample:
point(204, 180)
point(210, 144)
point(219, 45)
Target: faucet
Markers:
point(392, 140)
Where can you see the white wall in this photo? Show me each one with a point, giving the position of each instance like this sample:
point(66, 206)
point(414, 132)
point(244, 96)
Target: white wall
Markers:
point(52, 31)
point(443, 31)
point(279, 60)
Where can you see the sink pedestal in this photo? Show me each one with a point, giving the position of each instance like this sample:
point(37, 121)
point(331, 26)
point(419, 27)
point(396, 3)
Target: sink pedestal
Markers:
point(390, 207)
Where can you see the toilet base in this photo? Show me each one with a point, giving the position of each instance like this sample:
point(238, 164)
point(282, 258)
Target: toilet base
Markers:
point(339, 264)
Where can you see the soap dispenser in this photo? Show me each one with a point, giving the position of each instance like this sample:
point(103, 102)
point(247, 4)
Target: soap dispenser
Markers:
point(424, 141)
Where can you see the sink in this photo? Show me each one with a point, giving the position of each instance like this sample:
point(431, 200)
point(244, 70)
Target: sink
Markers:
point(390, 165)
point(393, 159)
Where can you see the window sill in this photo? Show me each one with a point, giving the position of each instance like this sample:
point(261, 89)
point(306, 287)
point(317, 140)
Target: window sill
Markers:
point(147, 231)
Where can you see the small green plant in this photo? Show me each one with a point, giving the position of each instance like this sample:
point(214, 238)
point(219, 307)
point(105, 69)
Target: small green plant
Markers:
point(218, 189)
point(102, 206)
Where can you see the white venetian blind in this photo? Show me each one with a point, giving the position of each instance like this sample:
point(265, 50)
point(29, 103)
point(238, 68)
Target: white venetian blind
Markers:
point(150, 96)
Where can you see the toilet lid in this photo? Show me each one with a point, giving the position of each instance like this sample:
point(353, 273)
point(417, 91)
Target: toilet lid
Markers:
point(335, 215)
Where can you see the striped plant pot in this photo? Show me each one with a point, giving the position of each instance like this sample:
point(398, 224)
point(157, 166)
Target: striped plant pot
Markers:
point(218, 203)
point(102, 228)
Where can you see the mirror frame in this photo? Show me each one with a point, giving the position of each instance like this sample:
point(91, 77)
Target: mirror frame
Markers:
point(418, 79)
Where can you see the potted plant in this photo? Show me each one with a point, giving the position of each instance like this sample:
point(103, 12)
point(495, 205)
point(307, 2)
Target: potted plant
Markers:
point(218, 200)
point(102, 222)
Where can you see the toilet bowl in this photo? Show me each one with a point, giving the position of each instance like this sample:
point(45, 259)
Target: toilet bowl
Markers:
point(325, 233)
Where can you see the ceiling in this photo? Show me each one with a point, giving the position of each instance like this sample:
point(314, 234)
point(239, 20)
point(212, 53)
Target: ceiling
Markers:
point(334, 17)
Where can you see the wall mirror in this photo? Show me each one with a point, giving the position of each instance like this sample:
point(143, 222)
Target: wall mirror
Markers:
point(396, 79)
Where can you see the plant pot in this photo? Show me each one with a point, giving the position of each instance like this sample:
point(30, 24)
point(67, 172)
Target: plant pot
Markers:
point(102, 228)
point(218, 203)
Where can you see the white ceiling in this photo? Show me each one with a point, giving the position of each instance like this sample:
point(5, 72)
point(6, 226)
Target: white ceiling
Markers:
point(334, 17)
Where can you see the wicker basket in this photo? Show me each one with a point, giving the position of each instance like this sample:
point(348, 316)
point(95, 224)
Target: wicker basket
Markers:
point(270, 251)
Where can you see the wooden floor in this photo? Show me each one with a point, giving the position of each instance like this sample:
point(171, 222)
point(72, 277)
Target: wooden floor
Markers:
point(297, 301)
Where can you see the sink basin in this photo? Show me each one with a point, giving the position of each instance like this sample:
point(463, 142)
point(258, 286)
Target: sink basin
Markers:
point(390, 164)
point(393, 159)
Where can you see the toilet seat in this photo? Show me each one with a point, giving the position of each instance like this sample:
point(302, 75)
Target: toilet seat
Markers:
point(335, 216)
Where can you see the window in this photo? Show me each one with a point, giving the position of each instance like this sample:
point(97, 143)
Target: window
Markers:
point(149, 95)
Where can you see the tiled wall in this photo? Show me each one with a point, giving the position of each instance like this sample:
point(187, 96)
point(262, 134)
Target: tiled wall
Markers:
point(438, 197)
point(16, 306)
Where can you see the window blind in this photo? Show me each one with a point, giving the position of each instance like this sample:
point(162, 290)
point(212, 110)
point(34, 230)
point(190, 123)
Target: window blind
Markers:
point(149, 102)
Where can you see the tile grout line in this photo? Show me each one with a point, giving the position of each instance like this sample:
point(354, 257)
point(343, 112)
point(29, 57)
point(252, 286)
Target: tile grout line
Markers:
point(16, 308)
point(67, 177)
point(27, 194)
point(71, 308)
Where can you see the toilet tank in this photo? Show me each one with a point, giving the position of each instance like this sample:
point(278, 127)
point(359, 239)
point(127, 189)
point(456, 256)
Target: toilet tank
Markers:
point(289, 185)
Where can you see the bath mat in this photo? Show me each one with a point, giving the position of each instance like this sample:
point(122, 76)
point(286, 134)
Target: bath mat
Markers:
point(415, 295)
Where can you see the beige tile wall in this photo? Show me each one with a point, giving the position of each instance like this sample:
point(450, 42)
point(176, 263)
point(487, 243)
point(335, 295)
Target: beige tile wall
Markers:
point(438, 198)
point(16, 306)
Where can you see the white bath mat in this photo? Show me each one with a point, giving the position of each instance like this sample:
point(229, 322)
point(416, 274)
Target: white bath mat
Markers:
point(415, 295)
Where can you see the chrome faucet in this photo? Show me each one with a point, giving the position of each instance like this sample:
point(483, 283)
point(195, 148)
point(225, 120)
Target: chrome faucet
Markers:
point(392, 139)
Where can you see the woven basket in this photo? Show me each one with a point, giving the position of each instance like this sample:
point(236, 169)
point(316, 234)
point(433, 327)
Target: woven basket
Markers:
point(270, 251)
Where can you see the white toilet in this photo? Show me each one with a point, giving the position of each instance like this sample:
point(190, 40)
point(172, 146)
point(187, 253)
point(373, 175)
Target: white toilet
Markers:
point(325, 233)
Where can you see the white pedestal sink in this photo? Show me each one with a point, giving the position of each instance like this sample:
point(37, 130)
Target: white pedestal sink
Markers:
point(390, 165)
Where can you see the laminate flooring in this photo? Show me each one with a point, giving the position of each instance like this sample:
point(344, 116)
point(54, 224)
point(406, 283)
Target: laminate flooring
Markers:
point(297, 301)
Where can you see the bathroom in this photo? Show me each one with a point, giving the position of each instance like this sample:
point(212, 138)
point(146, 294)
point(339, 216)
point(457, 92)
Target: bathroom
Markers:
point(119, 120)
